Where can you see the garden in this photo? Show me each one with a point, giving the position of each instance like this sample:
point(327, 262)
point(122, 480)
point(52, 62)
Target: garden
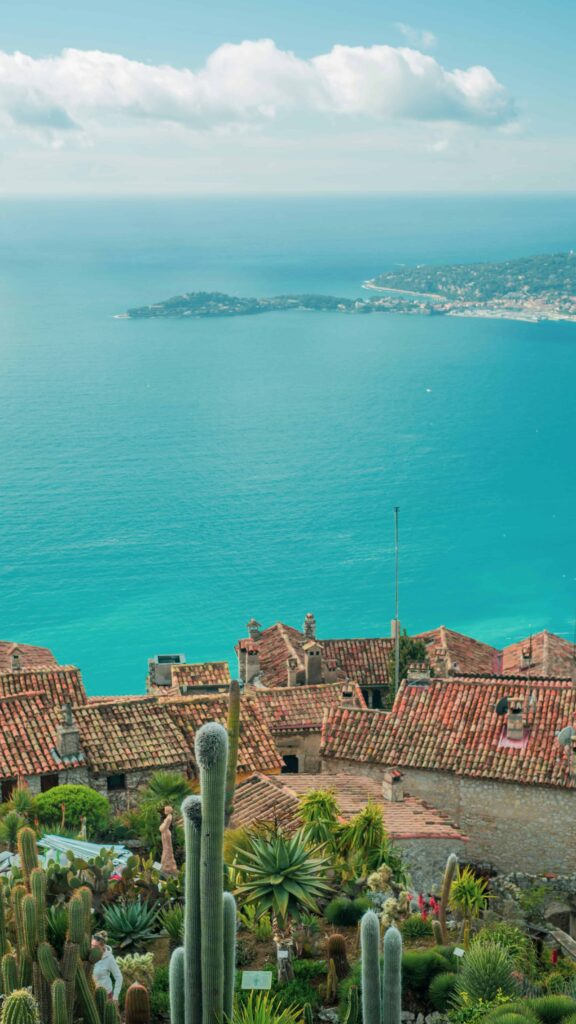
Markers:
point(256, 925)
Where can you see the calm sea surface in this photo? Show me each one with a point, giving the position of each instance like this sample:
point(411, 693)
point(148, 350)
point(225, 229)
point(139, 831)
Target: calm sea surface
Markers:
point(161, 482)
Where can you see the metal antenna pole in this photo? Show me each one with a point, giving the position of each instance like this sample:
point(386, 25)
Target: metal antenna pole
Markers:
point(397, 620)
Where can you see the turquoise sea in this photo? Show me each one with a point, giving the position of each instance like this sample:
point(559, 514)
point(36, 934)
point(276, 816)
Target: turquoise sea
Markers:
point(161, 482)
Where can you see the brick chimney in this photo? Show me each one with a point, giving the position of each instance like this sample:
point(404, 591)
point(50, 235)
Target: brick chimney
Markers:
point(515, 718)
point(393, 786)
point(16, 659)
point(248, 661)
point(67, 735)
point(313, 661)
point(292, 671)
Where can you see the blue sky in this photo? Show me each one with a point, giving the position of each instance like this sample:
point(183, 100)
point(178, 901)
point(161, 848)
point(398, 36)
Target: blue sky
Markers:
point(297, 116)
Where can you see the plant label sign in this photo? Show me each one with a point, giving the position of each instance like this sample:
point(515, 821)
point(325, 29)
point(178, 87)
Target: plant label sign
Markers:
point(458, 951)
point(257, 979)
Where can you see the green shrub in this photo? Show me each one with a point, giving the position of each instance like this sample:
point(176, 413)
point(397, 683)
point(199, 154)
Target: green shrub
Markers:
point(263, 928)
point(571, 1019)
point(515, 941)
point(416, 927)
point(297, 993)
point(551, 1009)
point(172, 921)
point(441, 990)
point(507, 1018)
point(137, 968)
point(518, 1007)
point(159, 997)
point(265, 1008)
point(309, 968)
point(79, 802)
point(343, 911)
point(419, 966)
point(486, 970)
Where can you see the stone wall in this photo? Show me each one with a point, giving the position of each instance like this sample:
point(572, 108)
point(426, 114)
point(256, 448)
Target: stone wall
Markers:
point(305, 746)
point(426, 860)
point(72, 776)
point(127, 799)
point(511, 826)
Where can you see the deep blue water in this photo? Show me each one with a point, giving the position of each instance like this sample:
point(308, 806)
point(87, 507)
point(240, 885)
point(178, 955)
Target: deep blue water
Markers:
point(162, 482)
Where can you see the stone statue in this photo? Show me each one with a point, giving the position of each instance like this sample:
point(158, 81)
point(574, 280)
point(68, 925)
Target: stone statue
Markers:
point(168, 864)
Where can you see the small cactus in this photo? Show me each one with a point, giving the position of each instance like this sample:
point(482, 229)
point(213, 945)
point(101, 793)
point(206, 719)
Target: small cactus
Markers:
point(9, 973)
point(336, 951)
point(449, 872)
point(308, 1015)
point(137, 1007)
point(331, 983)
point(59, 1007)
point(352, 1006)
point(20, 1007)
point(28, 852)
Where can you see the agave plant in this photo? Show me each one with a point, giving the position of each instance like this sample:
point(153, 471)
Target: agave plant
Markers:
point(130, 925)
point(468, 896)
point(282, 876)
point(264, 1008)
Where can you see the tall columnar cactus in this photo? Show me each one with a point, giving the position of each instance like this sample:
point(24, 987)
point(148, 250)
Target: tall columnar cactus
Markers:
point(381, 996)
point(233, 740)
point(56, 984)
point(352, 1006)
point(202, 971)
point(449, 872)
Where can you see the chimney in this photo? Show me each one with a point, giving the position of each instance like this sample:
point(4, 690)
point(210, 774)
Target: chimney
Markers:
point(515, 720)
point(310, 627)
point(16, 659)
point(292, 671)
point(67, 735)
point(393, 786)
point(254, 628)
point(418, 673)
point(313, 661)
point(248, 661)
point(347, 694)
point(525, 659)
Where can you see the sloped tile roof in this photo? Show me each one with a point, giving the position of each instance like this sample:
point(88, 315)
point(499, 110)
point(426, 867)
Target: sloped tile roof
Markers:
point(300, 709)
point(450, 725)
point(62, 684)
point(28, 727)
point(457, 654)
point(549, 655)
point(206, 673)
point(275, 645)
point(256, 749)
point(29, 655)
point(130, 735)
point(260, 798)
point(365, 659)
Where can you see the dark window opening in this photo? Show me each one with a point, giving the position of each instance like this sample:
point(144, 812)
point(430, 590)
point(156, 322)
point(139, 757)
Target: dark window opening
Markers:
point(377, 699)
point(290, 766)
point(116, 782)
point(48, 782)
point(8, 787)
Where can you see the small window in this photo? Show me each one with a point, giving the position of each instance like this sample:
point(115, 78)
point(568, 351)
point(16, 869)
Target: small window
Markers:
point(290, 766)
point(8, 786)
point(48, 782)
point(115, 782)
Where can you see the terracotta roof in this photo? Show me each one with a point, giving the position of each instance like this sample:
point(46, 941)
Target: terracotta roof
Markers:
point(29, 655)
point(452, 653)
point(130, 735)
point(206, 673)
point(28, 725)
point(365, 660)
point(450, 725)
point(275, 645)
point(260, 798)
point(62, 684)
point(256, 749)
point(299, 709)
point(546, 655)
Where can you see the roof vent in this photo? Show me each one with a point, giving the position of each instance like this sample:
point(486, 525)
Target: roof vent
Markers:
point(515, 722)
point(160, 668)
point(254, 628)
point(418, 674)
point(16, 660)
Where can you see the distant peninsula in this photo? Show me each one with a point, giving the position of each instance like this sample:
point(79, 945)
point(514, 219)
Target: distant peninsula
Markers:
point(534, 288)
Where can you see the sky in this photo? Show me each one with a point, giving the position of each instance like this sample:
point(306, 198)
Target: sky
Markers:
point(128, 97)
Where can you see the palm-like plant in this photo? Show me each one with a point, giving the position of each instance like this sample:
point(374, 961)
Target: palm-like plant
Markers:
point(131, 925)
point(281, 875)
point(469, 897)
point(320, 816)
point(365, 839)
point(166, 789)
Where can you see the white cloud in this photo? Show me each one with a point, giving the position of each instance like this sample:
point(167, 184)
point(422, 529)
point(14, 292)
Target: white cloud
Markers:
point(252, 83)
point(420, 38)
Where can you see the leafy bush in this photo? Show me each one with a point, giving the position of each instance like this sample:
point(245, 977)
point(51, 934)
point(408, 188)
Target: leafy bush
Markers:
point(131, 925)
point(79, 802)
point(343, 911)
point(486, 970)
point(508, 1018)
point(473, 1013)
point(172, 921)
point(551, 1009)
point(265, 1008)
point(263, 930)
point(441, 990)
point(418, 969)
point(515, 941)
point(10, 826)
point(297, 993)
point(416, 927)
point(159, 997)
point(309, 968)
point(517, 1007)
